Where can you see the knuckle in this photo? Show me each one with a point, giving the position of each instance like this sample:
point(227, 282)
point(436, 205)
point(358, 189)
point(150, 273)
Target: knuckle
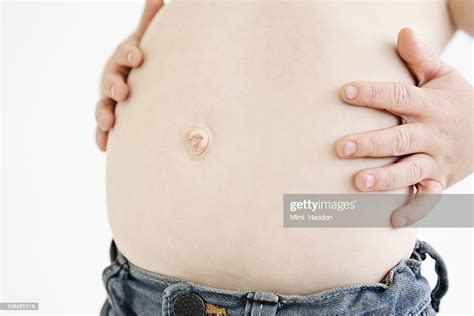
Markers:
point(371, 147)
point(375, 94)
point(388, 179)
point(402, 142)
point(400, 95)
point(414, 173)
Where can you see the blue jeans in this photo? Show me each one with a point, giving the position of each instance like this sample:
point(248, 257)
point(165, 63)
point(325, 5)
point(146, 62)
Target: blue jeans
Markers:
point(404, 291)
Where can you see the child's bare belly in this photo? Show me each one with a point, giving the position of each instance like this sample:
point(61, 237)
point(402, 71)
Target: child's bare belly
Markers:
point(262, 79)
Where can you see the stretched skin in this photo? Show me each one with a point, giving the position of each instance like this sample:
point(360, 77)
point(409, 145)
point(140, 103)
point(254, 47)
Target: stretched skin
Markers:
point(262, 79)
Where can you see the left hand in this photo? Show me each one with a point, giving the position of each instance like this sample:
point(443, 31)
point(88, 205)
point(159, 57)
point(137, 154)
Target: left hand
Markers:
point(435, 141)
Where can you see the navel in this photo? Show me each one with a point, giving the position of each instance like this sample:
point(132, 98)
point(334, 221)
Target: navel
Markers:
point(198, 140)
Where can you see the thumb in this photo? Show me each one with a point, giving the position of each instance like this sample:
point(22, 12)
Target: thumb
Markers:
point(419, 57)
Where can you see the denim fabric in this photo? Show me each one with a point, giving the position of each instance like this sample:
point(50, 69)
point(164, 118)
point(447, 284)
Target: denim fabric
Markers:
point(404, 291)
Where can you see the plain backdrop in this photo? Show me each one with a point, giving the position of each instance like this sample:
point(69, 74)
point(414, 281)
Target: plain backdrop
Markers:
point(54, 229)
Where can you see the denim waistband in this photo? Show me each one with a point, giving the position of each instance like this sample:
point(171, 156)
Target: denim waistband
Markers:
point(404, 291)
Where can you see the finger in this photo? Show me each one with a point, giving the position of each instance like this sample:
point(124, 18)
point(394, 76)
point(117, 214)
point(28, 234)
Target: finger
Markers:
point(101, 139)
point(114, 86)
point(105, 114)
point(427, 197)
point(397, 98)
point(394, 141)
point(419, 57)
point(406, 172)
point(128, 55)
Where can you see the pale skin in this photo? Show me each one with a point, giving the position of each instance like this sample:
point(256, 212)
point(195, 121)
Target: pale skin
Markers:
point(437, 114)
point(434, 143)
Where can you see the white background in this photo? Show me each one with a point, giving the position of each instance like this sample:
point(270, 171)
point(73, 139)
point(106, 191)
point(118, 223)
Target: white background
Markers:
point(54, 229)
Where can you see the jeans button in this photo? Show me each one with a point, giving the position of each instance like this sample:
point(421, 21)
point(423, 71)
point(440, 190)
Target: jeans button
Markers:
point(188, 304)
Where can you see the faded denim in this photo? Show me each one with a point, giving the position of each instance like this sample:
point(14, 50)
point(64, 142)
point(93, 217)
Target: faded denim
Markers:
point(404, 291)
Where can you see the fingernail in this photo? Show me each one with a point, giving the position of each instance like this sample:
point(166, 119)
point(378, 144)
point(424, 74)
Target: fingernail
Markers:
point(130, 57)
point(402, 221)
point(112, 90)
point(350, 148)
point(350, 92)
point(369, 181)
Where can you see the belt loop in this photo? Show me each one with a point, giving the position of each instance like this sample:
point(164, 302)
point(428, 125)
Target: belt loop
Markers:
point(442, 284)
point(261, 304)
point(117, 257)
point(113, 251)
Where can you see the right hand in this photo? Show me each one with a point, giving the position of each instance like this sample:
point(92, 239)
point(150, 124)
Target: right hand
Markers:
point(114, 87)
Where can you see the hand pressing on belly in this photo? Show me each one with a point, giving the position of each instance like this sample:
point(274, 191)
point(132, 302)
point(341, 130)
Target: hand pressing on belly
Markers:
point(435, 141)
point(113, 86)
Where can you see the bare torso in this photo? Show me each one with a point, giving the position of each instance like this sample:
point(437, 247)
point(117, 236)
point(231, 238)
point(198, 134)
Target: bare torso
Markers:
point(262, 80)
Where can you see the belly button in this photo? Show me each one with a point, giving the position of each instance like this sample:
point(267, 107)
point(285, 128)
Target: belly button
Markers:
point(197, 141)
